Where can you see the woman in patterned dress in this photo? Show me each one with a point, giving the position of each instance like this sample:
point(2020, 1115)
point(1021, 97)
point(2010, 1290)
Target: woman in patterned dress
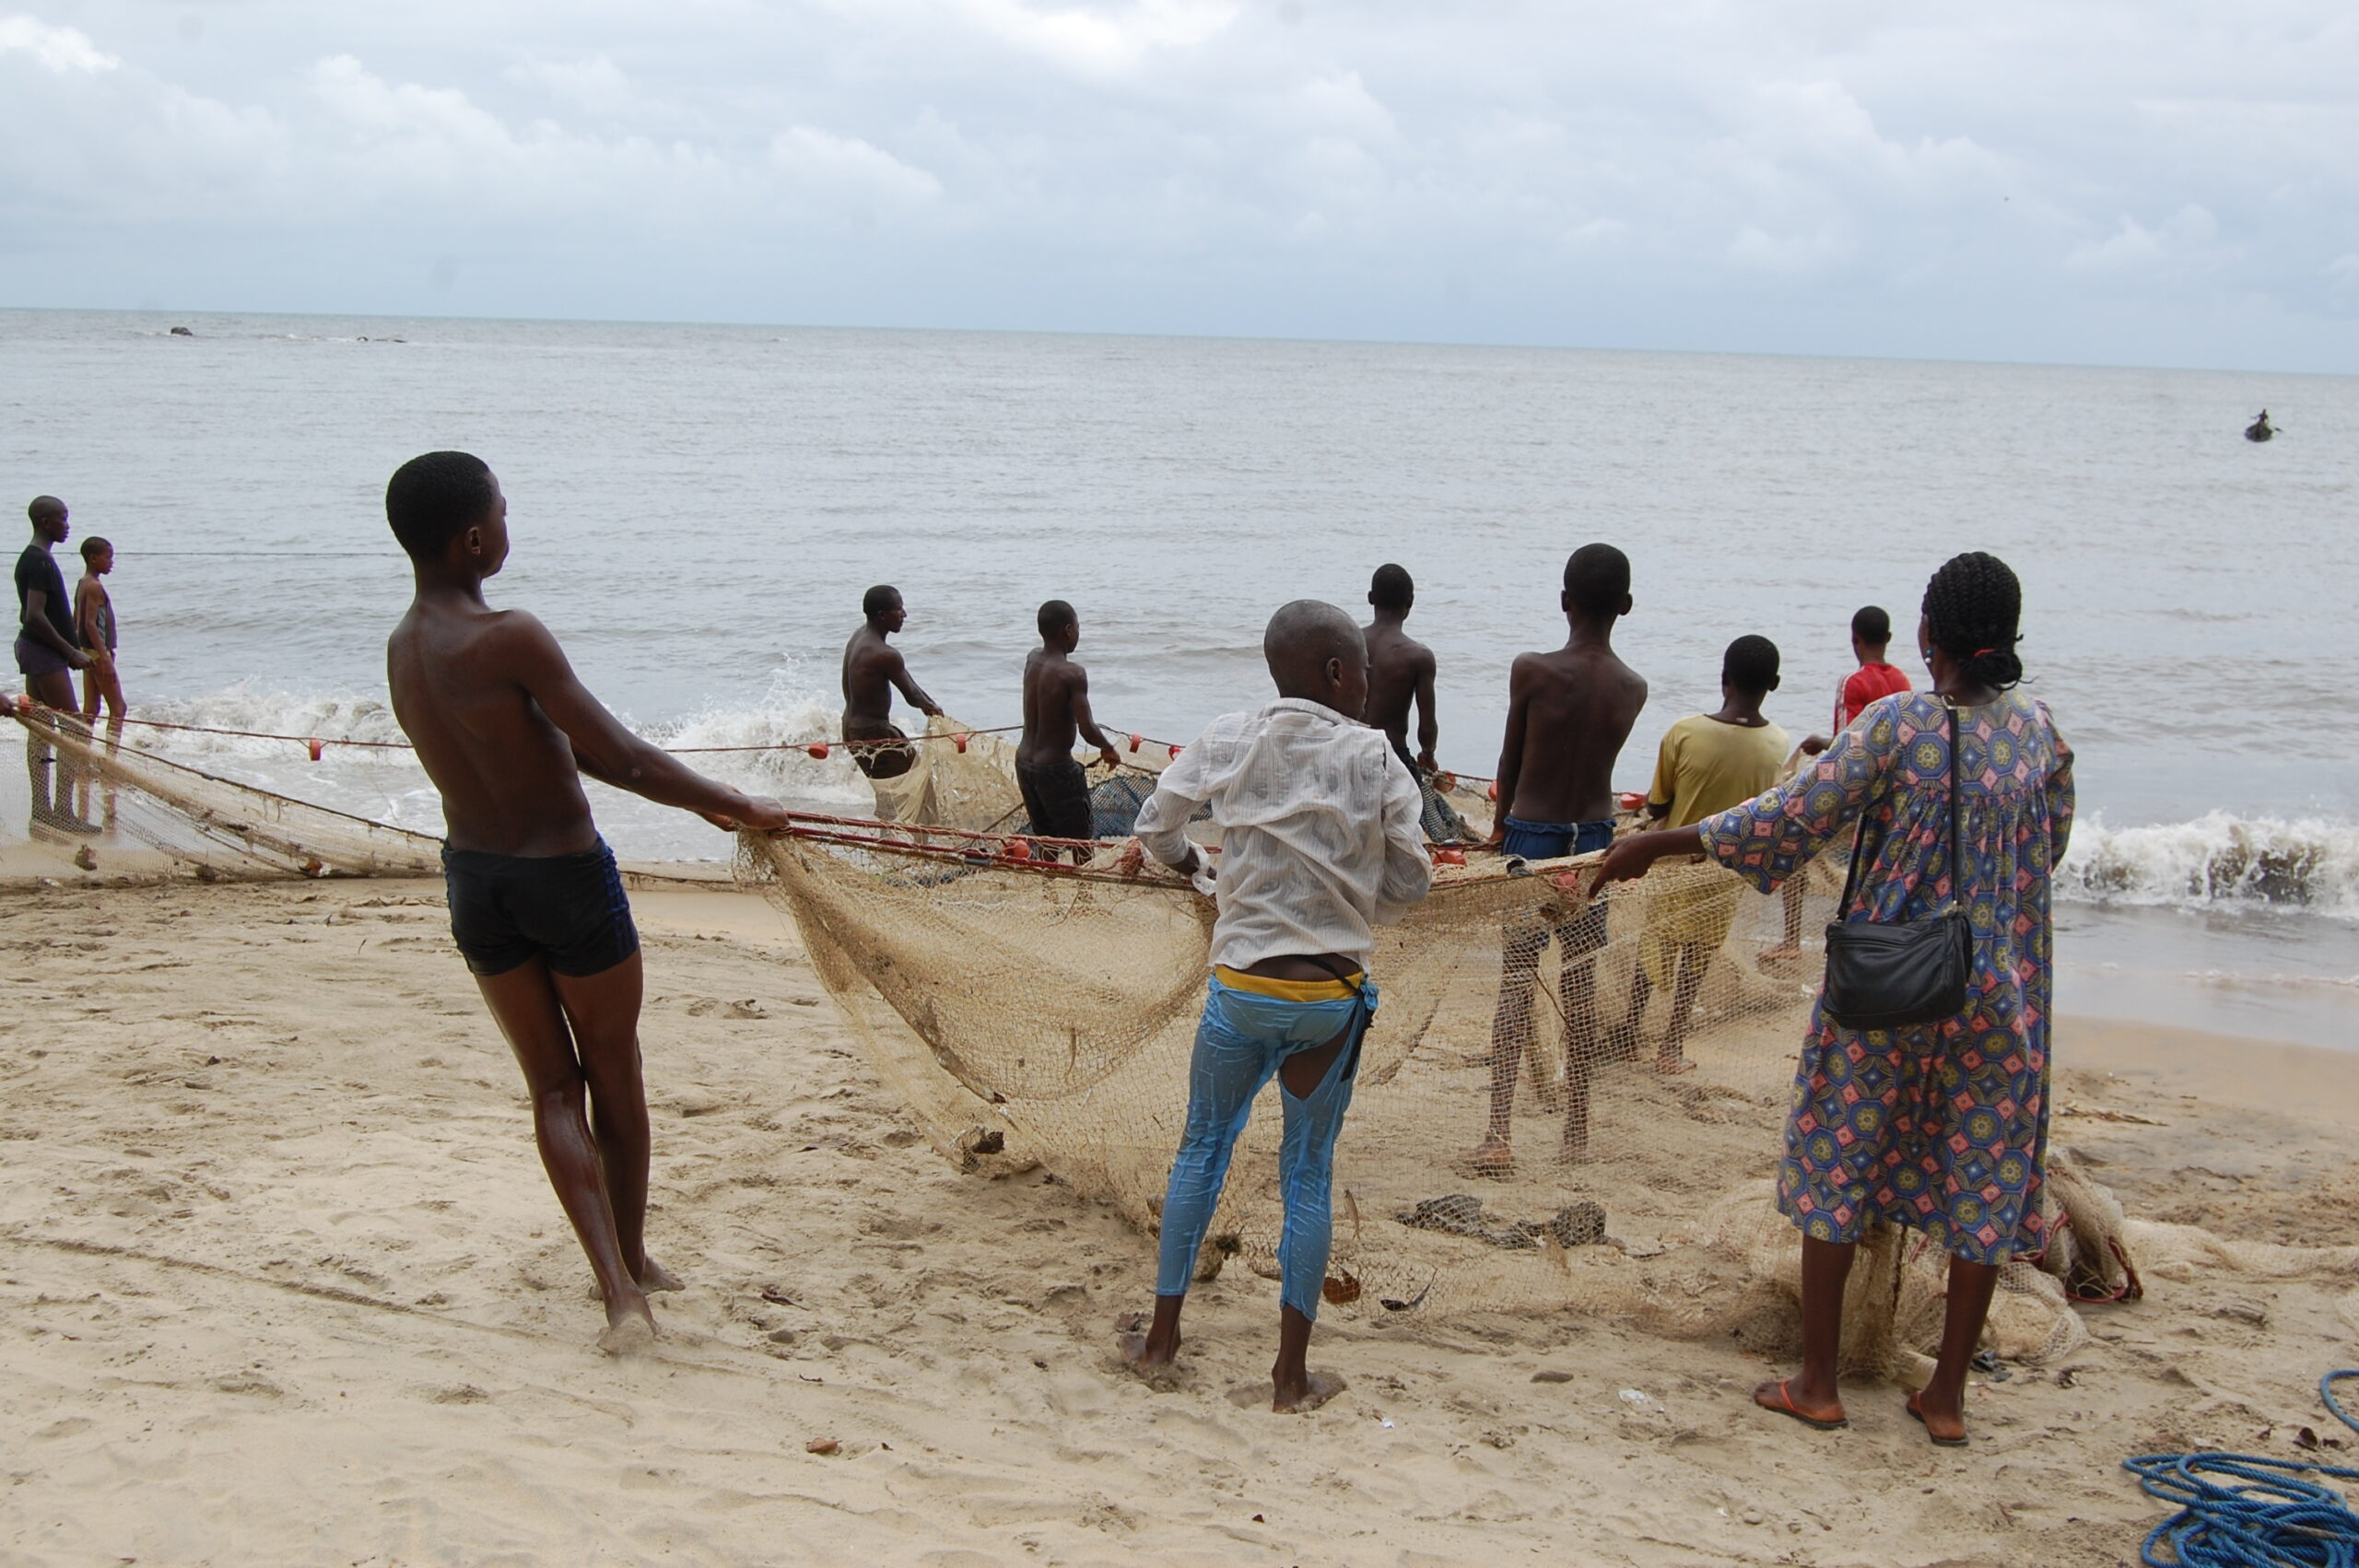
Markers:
point(1943, 1126)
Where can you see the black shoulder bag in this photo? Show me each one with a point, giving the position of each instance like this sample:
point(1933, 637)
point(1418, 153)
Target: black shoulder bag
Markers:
point(1906, 972)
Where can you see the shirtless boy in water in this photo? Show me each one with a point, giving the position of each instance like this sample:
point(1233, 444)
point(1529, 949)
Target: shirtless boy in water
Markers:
point(505, 729)
point(873, 668)
point(1056, 708)
point(1568, 713)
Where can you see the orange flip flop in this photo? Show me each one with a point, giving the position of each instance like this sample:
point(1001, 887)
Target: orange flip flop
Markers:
point(1785, 1405)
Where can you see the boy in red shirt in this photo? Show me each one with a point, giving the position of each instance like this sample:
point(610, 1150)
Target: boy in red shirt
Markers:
point(1871, 635)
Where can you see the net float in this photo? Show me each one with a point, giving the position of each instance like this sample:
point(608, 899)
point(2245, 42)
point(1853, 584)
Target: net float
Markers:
point(959, 740)
point(1631, 799)
point(1449, 857)
point(1018, 849)
point(315, 746)
point(1175, 753)
point(1494, 790)
point(1444, 782)
point(819, 750)
point(1134, 744)
point(25, 706)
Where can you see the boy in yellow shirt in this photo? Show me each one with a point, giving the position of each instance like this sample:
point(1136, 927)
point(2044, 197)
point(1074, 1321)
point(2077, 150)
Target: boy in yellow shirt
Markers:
point(1707, 763)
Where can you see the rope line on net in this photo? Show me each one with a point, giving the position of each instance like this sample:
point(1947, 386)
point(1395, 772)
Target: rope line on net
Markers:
point(2257, 1512)
point(818, 746)
point(1037, 852)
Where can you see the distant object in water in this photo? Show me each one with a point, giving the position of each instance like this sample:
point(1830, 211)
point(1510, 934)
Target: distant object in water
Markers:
point(2260, 429)
point(183, 332)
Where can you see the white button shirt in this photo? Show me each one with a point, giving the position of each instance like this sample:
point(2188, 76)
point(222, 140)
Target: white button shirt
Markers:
point(1321, 840)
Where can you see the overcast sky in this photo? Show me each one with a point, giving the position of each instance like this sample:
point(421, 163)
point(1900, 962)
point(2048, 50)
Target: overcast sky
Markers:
point(2140, 181)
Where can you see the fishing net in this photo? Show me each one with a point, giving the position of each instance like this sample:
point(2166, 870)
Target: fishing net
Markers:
point(89, 802)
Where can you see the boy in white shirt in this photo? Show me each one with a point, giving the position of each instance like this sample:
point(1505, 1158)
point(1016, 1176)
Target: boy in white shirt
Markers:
point(1320, 844)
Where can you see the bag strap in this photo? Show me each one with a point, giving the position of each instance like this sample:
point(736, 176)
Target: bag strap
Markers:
point(1859, 834)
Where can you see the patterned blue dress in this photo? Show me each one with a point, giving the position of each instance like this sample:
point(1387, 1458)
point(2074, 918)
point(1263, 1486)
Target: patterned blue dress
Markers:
point(1942, 1126)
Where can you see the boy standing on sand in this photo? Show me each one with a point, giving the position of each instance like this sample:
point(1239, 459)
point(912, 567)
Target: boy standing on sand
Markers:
point(1056, 708)
point(505, 729)
point(1705, 764)
point(1568, 713)
point(873, 668)
point(94, 620)
point(1319, 846)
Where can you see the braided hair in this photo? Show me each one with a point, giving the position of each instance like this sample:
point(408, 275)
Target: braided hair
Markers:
point(1972, 608)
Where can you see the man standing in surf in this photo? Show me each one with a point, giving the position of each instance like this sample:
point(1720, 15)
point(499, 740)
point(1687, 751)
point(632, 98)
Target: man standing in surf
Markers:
point(505, 730)
point(873, 670)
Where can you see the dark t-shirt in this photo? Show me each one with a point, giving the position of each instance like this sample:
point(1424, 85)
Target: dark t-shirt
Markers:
point(37, 573)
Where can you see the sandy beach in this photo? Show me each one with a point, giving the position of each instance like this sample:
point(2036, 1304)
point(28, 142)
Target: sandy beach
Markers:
point(284, 1283)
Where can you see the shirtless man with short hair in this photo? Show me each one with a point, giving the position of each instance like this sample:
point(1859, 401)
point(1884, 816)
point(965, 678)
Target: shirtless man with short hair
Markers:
point(1568, 712)
point(1400, 669)
point(1056, 710)
point(506, 730)
point(872, 669)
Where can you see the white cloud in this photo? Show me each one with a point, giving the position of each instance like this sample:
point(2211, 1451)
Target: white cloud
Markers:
point(847, 164)
point(595, 84)
point(1100, 40)
point(59, 50)
point(2133, 247)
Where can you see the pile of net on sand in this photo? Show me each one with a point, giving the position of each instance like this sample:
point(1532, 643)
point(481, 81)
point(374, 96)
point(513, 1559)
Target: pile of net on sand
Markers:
point(95, 801)
point(1035, 1003)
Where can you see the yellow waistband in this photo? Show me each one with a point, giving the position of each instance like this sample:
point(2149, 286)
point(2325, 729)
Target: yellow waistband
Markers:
point(1288, 991)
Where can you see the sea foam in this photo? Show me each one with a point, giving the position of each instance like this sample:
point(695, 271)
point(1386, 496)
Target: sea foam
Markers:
point(2219, 859)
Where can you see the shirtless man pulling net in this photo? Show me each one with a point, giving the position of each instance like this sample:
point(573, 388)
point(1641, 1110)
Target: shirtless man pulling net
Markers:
point(1400, 672)
point(1568, 713)
point(872, 669)
point(1320, 844)
point(505, 729)
point(1056, 710)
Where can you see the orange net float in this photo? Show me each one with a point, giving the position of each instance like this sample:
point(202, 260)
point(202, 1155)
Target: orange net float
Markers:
point(1175, 753)
point(1631, 799)
point(25, 706)
point(1446, 855)
point(1444, 782)
point(959, 740)
point(315, 746)
point(819, 750)
point(1134, 744)
point(1495, 790)
point(1016, 849)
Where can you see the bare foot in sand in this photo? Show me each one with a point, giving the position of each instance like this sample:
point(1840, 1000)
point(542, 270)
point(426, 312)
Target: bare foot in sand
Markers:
point(1491, 1158)
point(1671, 1064)
point(1315, 1389)
point(1573, 1151)
point(630, 1327)
point(653, 1277)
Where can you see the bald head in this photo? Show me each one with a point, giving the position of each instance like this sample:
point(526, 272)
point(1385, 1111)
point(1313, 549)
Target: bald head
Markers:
point(1315, 651)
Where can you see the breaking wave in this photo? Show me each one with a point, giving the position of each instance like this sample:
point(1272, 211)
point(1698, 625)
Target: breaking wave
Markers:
point(2218, 859)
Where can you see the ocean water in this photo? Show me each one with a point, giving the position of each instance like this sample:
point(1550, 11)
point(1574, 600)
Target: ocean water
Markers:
point(698, 509)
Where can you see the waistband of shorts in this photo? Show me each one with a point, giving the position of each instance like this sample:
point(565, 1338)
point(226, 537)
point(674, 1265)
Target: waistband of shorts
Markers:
point(1290, 990)
point(1567, 829)
point(485, 862)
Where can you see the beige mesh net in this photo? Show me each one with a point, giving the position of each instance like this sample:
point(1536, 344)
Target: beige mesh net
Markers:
point(96, 802)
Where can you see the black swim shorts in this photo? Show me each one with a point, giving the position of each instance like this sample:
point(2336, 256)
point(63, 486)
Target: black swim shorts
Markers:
point(569, 910)
point(1056, 798)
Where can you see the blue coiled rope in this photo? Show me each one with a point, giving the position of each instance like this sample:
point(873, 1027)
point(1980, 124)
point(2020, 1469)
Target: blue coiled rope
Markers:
point(2257, 1512)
